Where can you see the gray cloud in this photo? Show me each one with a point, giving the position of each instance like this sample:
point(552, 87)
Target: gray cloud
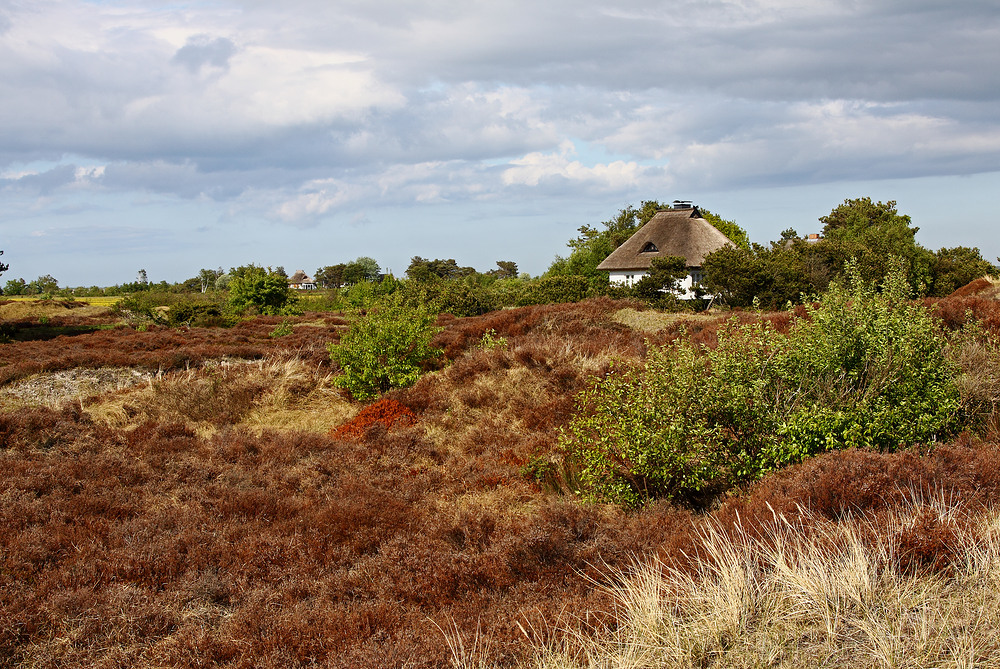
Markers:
point(329, 107)
point(205, 51)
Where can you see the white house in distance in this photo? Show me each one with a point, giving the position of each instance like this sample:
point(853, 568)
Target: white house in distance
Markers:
point(679, 231)
point(300, 281)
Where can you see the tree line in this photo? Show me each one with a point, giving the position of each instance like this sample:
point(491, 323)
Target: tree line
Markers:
point(788, 269)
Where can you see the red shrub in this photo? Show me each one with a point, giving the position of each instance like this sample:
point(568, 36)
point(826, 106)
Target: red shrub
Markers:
point(385, 412)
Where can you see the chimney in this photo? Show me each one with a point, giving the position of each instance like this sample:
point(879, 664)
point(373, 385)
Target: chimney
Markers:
point(683, 204)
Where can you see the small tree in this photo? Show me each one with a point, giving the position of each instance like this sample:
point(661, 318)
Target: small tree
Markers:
point(15, 287)
point(361, 269)
point(506, 269)
point(44, 285)
point(665, 275)
point(386, 348)
point(331, 276)
point(264, 290)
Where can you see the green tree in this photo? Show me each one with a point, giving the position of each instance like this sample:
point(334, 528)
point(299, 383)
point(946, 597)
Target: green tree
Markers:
point(386, 348)
point(3, 267)
point(265, 291)
point(207, 278)
point(665, 275)
point(361, 269)
point(15, 287)
point(506, 269)
point(421, 269)
point(43, 285)
point(770, 276)
point(956, 267)
point(593, 245)
point(331, 276)
point(872, 233)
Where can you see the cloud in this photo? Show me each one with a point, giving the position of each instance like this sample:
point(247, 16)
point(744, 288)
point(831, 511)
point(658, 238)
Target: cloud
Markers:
point(535, 168)
point(205, 51)
point(307, 110)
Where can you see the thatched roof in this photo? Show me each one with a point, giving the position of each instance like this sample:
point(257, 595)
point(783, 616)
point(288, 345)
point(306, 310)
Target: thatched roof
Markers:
point(300, 277)
point(671, 232)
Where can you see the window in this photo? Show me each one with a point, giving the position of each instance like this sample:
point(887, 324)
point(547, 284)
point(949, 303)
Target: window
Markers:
point(650, 247)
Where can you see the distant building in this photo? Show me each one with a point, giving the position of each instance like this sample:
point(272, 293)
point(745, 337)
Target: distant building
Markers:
point(679, 231)
point(300, 281)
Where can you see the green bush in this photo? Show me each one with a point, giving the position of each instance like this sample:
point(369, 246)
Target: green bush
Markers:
point(386, 348)
point(263, 291)
point(863, 369)
point(555, 289)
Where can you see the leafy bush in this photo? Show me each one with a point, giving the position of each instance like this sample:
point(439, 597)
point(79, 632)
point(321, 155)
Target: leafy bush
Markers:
point(386, 348)
point(862, 369)
point(262, 290)
point(553, 289)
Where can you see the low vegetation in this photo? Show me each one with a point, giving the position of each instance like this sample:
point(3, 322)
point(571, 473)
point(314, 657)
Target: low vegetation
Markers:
point(233, 507)
point(492, 470)
point(863, 368)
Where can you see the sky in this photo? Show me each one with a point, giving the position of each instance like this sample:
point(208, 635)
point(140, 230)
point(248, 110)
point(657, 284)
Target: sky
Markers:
point(175, 136)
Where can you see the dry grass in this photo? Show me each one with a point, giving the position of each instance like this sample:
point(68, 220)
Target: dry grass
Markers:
point(651, 320)
point(280, 392)
point(20, 309)
point(807, 593)
point(52, 389)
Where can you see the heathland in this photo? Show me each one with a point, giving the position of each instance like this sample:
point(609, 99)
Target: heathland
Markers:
point(213, 496)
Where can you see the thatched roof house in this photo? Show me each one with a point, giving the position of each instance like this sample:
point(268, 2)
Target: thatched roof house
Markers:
point(300, 281)
point(680, 231)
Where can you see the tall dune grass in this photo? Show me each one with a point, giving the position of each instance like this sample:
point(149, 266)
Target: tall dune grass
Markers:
point(807, 593)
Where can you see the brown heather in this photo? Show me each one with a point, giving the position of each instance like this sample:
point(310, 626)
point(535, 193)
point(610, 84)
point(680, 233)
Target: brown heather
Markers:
point(212, 517)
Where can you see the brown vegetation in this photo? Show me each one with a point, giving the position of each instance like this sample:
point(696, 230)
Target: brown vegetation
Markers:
point(245, 514)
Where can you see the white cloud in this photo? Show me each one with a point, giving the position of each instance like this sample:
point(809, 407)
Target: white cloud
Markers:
point(309, 111)
point(536, 168)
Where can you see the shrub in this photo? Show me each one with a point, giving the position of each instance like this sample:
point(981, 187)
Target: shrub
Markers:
point(552, 289)
point(265, 291)
point(385, 412)
point(386, 348)
point(861, 369)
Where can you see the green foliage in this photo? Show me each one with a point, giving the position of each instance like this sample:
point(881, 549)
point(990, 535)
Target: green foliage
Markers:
point(282, 329)
point(554, 289)
point(386, 348)
point(331, 276)
point(869, 233)
point(665, 274)
point(771, 276)
point(15, 287)
point(490, 341)
point(174, 309)
point(864, 369)
point(506, 269)
point(872, 233)
point(730, 229)
point(421, 269)
point(3, 266)
point(593, 245)
point(46, 284)
point(264, 291)
point(956, 267)
point(360, 269)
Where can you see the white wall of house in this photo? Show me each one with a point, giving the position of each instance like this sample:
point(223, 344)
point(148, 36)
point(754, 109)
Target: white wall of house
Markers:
point(631, 278)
